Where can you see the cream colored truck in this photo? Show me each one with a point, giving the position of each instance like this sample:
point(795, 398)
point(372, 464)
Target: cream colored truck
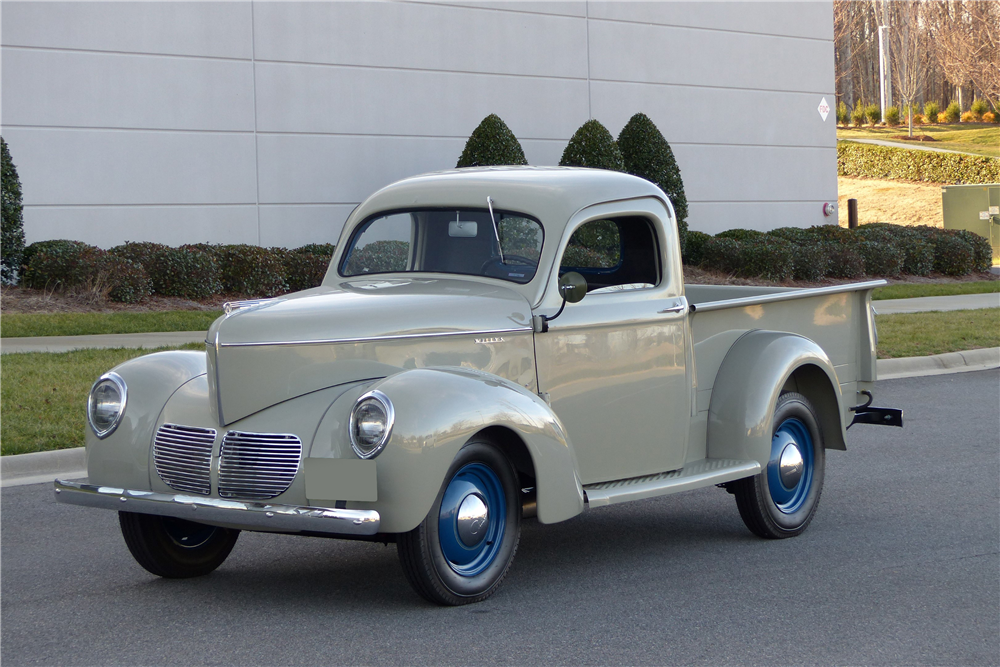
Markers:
point(487, 345)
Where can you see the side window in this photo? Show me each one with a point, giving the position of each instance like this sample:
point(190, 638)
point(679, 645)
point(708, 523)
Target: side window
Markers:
point(614, 255)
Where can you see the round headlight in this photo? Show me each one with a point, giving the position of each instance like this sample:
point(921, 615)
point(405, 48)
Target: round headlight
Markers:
point(371, 424)
point(106, 404)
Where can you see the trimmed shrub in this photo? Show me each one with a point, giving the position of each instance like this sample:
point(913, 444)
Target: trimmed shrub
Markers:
point(953, 113)
point(579, 256)
point(721, 254)
point(128, 280)
point(978, 108)
point(67, 265)
point(491, 143)
point(918, 119)
point(691, 253)
point(917, 252)
point(592, 146)
point(740, 234)
point(646, 154)
point(61, 245)
point(59, 265)
point(11, 219)
point(304, 270)
point(952, 255)
point(843, 117)
point(892, 116)
point(931, 111)
point(810, 261)
point(250, 270)
point(881, 258)
point(845, 261)
point(990, 117)
point(207, 248)
point(794, 234)
point(968, 117)
point(141, 253)
point(858, 115)
point(322, 249)
point(854, 159)
point(379, 257)
point(767, 257)
point(874, 114)
point(942, 117)
point(183, 272)
point(982, 251)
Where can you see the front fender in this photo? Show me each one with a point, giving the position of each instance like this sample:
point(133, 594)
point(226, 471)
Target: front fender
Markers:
point(122, 458)
point(753, 374)
point(437, 410)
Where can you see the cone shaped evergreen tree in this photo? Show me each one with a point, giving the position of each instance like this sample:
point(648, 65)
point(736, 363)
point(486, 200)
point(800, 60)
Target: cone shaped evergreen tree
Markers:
point(647, 154)
point(12, 229)
point(491, 143)
point(592, 146)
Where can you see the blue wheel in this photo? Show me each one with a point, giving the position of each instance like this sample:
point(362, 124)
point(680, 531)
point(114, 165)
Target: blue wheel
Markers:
point(463, 549)
point(781, 501)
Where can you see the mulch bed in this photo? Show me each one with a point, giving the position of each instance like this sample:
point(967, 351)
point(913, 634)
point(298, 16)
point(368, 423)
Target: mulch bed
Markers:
point(915, 137)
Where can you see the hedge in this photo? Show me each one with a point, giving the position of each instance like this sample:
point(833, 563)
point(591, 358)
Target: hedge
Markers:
point(250, 270)
point(903, 164)
point(66, 265)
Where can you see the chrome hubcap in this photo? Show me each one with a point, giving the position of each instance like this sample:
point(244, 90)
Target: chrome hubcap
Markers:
point(473, 520)
point(791, 466)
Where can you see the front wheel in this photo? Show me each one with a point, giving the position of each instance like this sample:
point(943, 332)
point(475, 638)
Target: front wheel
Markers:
point(781, 501)
point(175, 548)
point(462, 550)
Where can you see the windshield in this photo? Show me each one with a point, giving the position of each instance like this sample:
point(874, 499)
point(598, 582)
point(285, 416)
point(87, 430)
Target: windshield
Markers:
point(463, 241)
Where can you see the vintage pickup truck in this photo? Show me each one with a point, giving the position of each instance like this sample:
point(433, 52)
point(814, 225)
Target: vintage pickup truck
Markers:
point(488, 345)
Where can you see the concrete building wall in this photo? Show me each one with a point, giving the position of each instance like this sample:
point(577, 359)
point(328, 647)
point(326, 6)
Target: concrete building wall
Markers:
point(267, 122)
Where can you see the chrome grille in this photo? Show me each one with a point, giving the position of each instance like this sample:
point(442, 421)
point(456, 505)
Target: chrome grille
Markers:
point(183, 457)
point(257, 466)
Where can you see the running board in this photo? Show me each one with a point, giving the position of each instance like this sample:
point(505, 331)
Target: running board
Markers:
point(692, 476)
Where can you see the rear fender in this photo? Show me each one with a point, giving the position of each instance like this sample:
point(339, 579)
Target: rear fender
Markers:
point(758, 367)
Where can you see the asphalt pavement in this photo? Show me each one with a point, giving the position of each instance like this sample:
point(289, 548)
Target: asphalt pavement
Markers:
point(900, 566)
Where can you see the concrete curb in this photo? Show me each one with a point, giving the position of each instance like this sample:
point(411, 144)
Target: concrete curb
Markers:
point(37, 467)
point(40, 467)
point(99, 342)
point(939, 364)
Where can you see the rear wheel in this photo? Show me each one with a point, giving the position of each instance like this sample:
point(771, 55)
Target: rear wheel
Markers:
point(175, 548)
point(462, 550)
point(781, 501)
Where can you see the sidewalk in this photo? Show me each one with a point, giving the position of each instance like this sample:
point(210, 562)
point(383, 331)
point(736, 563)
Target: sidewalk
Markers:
point(104, 341)
point(926, 303)
point(912, 145)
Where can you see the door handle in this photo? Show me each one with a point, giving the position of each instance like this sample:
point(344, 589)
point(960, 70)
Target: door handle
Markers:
point(673, 309)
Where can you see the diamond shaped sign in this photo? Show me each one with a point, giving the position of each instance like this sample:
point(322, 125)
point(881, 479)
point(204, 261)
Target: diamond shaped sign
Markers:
point(824, 109)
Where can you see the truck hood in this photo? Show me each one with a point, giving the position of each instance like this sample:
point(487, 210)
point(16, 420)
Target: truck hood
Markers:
point(274, 350)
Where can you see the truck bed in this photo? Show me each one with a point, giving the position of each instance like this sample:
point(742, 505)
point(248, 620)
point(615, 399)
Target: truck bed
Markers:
point(837, 318)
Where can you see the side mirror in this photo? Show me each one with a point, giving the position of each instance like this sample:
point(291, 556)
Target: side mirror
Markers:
point(572, 287)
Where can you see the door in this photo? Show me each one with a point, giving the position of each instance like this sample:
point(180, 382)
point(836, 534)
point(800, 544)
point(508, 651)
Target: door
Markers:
point(614, 364)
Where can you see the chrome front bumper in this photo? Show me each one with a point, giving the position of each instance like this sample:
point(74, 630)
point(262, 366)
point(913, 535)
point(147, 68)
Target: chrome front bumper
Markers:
point(245, 515)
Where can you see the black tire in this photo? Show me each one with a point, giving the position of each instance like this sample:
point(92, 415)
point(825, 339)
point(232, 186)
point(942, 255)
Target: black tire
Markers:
point(175, 548)
point(425, 552)
point(768, 507)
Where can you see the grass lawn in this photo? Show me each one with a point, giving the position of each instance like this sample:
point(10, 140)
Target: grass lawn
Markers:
point(911, 290)
point(978, 138)
point(16, 325)
point(922, 334)
point(44, 395)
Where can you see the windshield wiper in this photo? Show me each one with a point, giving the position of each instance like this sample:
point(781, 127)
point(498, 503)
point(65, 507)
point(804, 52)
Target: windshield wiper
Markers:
point(496, 231)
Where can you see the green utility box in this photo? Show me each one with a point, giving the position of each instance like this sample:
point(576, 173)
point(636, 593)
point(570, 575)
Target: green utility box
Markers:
point(975, 208)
